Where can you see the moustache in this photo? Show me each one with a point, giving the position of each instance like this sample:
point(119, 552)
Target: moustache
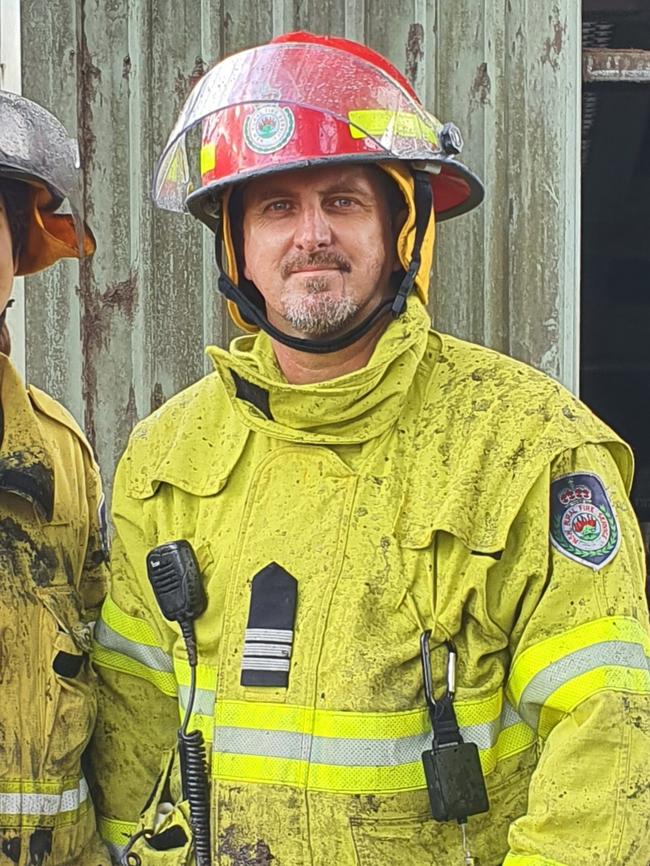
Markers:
point(315, 260)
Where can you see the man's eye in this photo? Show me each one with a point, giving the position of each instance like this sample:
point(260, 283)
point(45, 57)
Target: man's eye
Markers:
point(343, 202)
point(278, 206)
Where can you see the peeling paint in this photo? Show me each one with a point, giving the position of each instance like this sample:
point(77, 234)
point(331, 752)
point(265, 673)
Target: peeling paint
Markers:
point(126, 66)
point(610, 64)
point(553, 46)
point(90, 77)
point(122, 295)
point(199, 70)
point(414, 51)
point(157, 397)
point(482, 85)
point(131, 412)
point(96, 318)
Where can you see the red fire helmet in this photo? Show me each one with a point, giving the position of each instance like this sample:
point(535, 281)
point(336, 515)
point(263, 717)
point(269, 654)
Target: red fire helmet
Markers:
point(299, 101)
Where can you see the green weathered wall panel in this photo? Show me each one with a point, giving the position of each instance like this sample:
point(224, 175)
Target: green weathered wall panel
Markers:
point(509, 75)
point(119, 335)
point(53, 351)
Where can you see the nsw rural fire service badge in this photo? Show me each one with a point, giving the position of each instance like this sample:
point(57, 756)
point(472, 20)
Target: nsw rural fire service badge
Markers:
point(583, 523)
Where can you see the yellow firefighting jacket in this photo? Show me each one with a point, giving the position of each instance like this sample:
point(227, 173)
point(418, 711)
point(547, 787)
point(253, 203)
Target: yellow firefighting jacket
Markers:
point(53, 570)
point(412, 494)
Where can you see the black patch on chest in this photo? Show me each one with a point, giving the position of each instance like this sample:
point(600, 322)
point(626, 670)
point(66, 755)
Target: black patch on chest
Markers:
point(269, 634)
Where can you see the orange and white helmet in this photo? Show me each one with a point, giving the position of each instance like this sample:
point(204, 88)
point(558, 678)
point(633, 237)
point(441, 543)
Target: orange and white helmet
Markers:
point(304, 100)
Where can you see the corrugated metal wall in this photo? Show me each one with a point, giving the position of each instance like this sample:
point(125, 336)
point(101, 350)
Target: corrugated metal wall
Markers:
point(118, 336)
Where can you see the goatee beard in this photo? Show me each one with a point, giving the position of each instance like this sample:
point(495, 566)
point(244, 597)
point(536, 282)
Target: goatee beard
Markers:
point(316, 312)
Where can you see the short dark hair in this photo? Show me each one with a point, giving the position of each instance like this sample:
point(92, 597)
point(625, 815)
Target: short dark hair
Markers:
point(15, 195)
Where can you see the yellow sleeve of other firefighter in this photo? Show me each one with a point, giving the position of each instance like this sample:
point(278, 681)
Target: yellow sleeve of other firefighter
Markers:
point(138, 713)
point(579, 673)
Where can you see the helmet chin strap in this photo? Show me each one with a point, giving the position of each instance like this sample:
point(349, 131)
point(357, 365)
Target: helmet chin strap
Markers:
point(255, 314)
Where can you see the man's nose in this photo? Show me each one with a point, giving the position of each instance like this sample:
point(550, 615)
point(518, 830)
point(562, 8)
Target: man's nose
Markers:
point(313, 230)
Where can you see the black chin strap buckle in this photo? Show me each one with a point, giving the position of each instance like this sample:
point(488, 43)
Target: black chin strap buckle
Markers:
point(406, 286)
point(423, 196)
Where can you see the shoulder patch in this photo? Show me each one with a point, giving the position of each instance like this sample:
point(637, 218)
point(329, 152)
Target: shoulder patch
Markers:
point(583, 522)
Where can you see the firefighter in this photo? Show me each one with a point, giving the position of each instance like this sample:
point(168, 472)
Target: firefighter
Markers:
point(52, 540)
point(419, 558)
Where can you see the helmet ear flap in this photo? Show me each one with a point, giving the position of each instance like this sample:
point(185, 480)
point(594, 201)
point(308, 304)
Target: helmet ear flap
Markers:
point(229, 254)
point(408, 242)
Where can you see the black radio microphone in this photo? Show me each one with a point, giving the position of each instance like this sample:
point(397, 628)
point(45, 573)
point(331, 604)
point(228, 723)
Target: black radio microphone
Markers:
point(176, 581)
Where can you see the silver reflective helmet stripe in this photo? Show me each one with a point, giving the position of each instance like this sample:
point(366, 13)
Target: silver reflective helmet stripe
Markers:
point(605, 654)
point(149, 656)
point(24, 803)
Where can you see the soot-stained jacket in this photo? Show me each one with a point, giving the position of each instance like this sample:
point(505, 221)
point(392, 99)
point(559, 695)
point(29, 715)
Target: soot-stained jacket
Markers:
point(52, 581)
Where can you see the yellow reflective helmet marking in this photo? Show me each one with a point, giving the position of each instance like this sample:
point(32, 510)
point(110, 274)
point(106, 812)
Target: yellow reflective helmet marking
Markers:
point(376, 122)
point(208, 157)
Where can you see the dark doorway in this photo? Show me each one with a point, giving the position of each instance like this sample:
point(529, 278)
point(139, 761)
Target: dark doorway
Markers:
point(615, 293)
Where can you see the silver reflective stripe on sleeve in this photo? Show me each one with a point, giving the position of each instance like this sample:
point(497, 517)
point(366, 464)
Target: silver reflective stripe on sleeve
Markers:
point(39, 803)
point(149, 656)
point(607, 653)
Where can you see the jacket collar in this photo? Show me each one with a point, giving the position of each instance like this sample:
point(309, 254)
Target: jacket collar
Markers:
point(350, 409)
point(25, 467)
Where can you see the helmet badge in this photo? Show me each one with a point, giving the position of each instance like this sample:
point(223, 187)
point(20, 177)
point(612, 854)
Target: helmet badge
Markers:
point(269, 128)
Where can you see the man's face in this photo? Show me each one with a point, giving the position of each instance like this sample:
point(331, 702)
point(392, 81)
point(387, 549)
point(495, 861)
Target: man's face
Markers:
point(319, 245)
point(7, 266)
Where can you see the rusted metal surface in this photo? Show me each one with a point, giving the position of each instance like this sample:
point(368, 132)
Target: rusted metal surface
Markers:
point(116, 337)
point(629, 65)
point(507, 275)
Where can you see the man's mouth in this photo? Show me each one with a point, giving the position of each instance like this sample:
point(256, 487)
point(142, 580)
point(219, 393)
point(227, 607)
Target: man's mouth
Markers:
point(304, 266)
point(317, 270)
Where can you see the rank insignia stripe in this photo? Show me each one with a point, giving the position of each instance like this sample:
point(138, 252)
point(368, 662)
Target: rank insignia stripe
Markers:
point(584, 526)
point(268, 639)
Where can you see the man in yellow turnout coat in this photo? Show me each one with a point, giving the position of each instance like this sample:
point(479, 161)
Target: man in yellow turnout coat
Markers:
point(52, 529)
point(370, 503)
